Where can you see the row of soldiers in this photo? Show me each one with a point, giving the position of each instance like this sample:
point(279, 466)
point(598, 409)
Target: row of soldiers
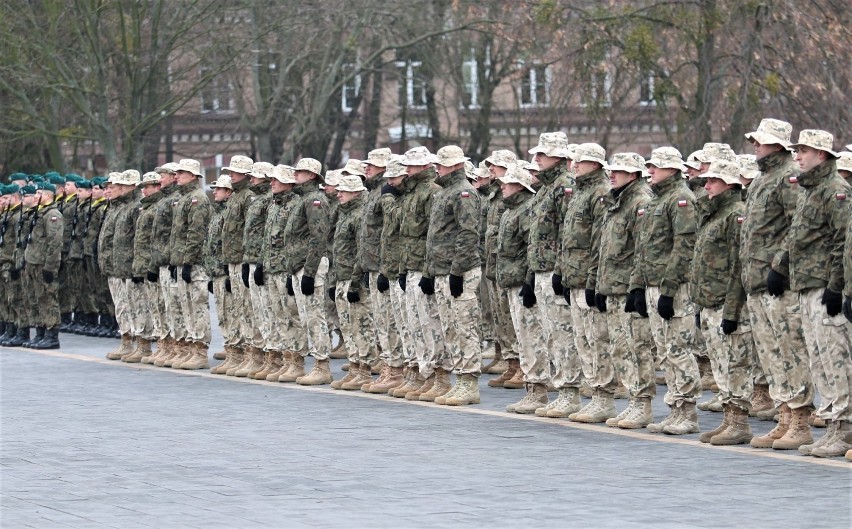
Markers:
point(585, 270)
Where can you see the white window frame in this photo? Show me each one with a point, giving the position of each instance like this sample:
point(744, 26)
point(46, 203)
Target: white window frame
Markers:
point(471, 86)
point(214, 89)
point(647, 81)
point(531, 74)
point(607, 88)
point(408, 79)
point(348, 85)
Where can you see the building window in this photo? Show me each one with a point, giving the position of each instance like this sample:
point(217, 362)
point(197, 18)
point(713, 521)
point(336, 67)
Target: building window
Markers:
point(600, 84)
point(470, 84)
point(351, 87)
point(646, 90)
point(535, 86)
point(412, 84)
point(217, 96)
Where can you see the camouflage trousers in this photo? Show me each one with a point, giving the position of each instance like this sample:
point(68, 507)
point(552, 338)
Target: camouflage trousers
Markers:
point(535, 365)
point(460, 323)
point(5, 308)
point(194, 306)
point(71, 285)
point(404, 325)
point(44, 298)
point(121, 299)
point(175, 327)
point(138, 310)
point(776, 327)
point(387, 333)
point(157, 309)
point(224, 316)
point(591, 340)
point(504, 331)
point(241, 306)
point(733, 358)
point(488, 324)
point(632, 357)
point(356, 325)
point(312, 313)
point(829, 343)
point(96, 289)
point(261, 316)
point(332, 317)
point(700, 343)
point(425, 324)
point(555, 338)
point(287, 332)
point(674, 339)
point(17, 305)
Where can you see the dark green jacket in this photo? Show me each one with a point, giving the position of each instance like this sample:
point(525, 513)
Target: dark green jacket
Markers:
point(618, 237)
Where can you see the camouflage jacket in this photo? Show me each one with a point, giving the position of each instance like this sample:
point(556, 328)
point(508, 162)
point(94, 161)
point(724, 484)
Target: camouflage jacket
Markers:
point(123, 227)
point(452, 242)
point(162, 233)
point(847, 260)
point(416, 207)
point(345, 247)
point(274, 245)
point(370, 231)
point(23, 232)
point(512, 240)
point(214, 261)
point(665, 238)
point(255, 223)
point(12, 218)
point(390, 253)
point(618, 237)
point(580, 233)
point(189, 225)
point(78, 224)
point(333, 206)
point(235, 222)
point(70, 207)
point(142, 257)
point(696, 185)
point(92, 227)
point(45, 246)
point(812, 253)
point(546, 212)
point(306, 233)
point(106, 234)
point(493, 212)
point(714, 277)
point(770, 203)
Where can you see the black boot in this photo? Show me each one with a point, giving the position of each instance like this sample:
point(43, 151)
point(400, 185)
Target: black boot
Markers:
point(78, 325)
point(88, 324)
point(105, 327)
point(3, 328)
point(50, 341)
point(18, 340)
point(65, 322)
point(39, 336)
point(11, 331)
point(113, 328)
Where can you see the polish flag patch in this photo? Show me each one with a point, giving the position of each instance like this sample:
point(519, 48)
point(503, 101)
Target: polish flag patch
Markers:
point(840, 196)
point(794, 180)
point(317, 203)
point(465, 194)
point(195, 201)
point(640, 213)
point(53, 219)
point(682, 203)
point(568, 190)
point(740, 220)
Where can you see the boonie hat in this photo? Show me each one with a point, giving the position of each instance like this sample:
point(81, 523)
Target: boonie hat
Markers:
point(501, 158)
point(394, 169)
point(626, 161)
point(240, 164)
point(149, 178)
point(418, 156)
point(351, 183)
point(284, 174)
point(724, 170)
point(772, 132)
point(748, 166)
point(666, 158)
point(516, 174)
point(553, 144)
point(816, 139)
point(353, 166)
point(223, 182)
point(379, 157)
point(844, 161)
point(170, 167)
point(450, 155)
point(310, 164)
point(590, 152)
point(189, 165)
point(261, 169)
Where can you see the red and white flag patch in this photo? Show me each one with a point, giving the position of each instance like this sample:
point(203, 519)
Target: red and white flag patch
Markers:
point(682, 203)
point(794, 180)
point(840, 196)
point(568, 190)
point(195, 201)
point(317, 203)
point(53, 219)
point(640, 213)
point(740, 220)
point(465, 194)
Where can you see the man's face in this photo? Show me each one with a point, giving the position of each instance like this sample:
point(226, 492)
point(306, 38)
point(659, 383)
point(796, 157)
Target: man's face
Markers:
point(84, 193)
point(345, 196)
point(278, 187)
point(412, 170)
point(765, 149)
point(659, 174)
point(30, 200)
point(330, 191)
point(496, 171)
point(303, 176)
point(256, 180)
point(395, 181)
point(510, 189)
point(184, 177)
point(481, 182)
point(545, 162)
point(372, 171)
point(237, 177)
point(447, 169)
point(705, 166)
point(70, 188)
point(221, 194)
point(715, 187)
point(4, 201)
point(44, 196)
point(692, 172)
point(619, 179)
point(150, 189)
point(167, 179)
point(97, 192)
point(585, 167)
point(808, 157)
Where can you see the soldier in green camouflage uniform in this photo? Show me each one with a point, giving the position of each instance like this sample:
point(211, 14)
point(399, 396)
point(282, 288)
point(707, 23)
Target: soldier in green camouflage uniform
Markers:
point(776, 319)
point(72, 267)
point(83, 190)
point(664, 244)
point(11, 216)
point(812, 257)
point(215, 265)
point(329, 187)
point(715, 285)
point(96, 287)
point(18, 274)
point(487, 188)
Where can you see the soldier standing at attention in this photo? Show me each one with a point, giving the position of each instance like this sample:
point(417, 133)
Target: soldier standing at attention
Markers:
point(217, 269)
point(12, 209)
point(329, 187)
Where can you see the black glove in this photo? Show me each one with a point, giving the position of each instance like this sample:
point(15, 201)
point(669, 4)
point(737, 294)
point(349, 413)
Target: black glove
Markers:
point(382, 284)
point(173, 272)
point(353, 297)
point(566, 293)
point(225, 269)
point(210, 286)
point(136, 280)
point(556, 283)
point(775, 283)
point(290, 286)
point(228, 285)
point(698, 320)
point(427, 285)
point(47, 276)
point(590, 297)
point(365, 279)
point(629, 306)
point(186, 273)
point(387, 188)
point(665, 307)
point(600, 302)
point(245, 274)
point(847, 308)
point(15, 274)
point(258, 275)
point(833, 302)
point(456, 285)
point(152, 277)
point(331, 292)
point(528, 295)
point(307, 285)
point(728, 326)
point(639, 301)
point(85, 264)
point(401, 280)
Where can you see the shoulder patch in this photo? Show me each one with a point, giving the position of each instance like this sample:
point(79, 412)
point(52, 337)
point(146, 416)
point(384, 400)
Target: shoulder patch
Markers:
point(602, 200)
point(682, 203)
point(740, 220)
point(568, 190)
point(840, 196)
point(465, 194)
point(195, 201)
point(640, 213)
point(53, 219)
point(794, 179)
point(317, 203)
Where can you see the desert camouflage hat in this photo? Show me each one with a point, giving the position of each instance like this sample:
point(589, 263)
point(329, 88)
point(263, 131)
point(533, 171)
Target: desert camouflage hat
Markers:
point(530, 165)
point(284, 174)
point(694, 160)
point(418, 156)
point(589, 152)
point(816, 139)
point(332, 177)
point(351, 183)
point(626, 161)
point(133, 176)
point(748, 166)
point(554, 144)
point(354, 166)
point(394, 169)
point(149, 178)
point(191, 166)
point(170, 167)
point(516, 174)
point(112, 176)
point(772, 132)
point(666, 158)
point(223, 182)
point(309, 164)
point(725, 170)
point(844, 161)
point(501, 158)
point(125, 178)
point(717, 151)
point(261, 170)
point(470, 170)
point(450, 155)
point(239, 164)
point(379, 157)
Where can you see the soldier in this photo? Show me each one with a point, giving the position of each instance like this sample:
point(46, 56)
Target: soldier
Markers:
point(96, 288)
point(776, 320)
point(189, 228)
point(71, 271)
point(214, 263)
point(24, 318)
point(812, 258)
point(844, 166)
point(329, 187)
point(487, 188)
point(715, 285)
point(664, 244)
point(452, 273)
point(388, 333)
point(82, 309)
point(11, 217)
point(306, 236)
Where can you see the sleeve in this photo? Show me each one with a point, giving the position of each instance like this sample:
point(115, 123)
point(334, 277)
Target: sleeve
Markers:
point(599, 209)
point(467, 215)
point(318, 228)
point(781, 262)
point(684, 224)
point(54, 230)
point(735, 293)
point(847, 258)
point(839, 211)
point(198, 220)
